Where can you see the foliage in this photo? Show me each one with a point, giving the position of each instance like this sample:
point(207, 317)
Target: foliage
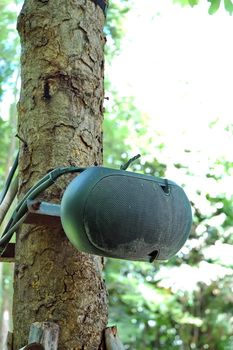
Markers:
point(214, 5)
point(160, 306)
point(122, 115)
point(9, 66)
point(114, 28)
point(9, 43)
point(4, 137)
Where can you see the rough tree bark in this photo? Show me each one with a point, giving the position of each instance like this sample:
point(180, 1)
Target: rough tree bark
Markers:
point(60, 120)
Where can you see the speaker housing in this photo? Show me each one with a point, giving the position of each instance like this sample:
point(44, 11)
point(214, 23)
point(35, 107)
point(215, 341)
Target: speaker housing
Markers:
point(126, 215)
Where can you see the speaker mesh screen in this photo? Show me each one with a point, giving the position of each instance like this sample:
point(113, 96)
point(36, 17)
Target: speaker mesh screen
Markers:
point(125, 215)
point(135, 211)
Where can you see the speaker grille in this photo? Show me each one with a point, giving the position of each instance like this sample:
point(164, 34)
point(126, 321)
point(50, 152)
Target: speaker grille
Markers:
point(127, 215)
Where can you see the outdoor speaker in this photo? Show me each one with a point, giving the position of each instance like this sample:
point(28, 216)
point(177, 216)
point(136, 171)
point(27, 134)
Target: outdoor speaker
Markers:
point(121, 214)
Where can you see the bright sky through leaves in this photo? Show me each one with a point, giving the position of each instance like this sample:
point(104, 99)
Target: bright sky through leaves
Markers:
point(177, 62)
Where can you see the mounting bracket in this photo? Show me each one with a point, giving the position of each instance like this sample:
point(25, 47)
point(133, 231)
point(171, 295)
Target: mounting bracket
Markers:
point(39, 213)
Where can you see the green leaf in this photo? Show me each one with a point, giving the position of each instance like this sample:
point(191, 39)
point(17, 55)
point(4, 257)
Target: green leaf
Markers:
point(186, 2)
point(228, 6)
point(193, 2)
point(214, 6)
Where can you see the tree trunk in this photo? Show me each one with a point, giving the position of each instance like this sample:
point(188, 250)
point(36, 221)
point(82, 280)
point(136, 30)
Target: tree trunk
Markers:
point(60, 120)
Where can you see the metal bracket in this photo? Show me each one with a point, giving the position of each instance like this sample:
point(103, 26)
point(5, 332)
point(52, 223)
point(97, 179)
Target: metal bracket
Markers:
point(33, 346)
point(8, 254)
point(39, 213)
point(43, 213)
point(43, 336)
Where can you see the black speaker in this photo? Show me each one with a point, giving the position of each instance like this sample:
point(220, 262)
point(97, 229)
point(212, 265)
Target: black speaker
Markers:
point(121, 214)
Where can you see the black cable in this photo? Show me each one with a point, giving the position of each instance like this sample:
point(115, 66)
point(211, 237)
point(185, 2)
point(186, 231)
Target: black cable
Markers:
point(5, 240)
point(9, 198)
point(102, 4)
point(131, 160)
point(21, 209)
point(9, 179)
